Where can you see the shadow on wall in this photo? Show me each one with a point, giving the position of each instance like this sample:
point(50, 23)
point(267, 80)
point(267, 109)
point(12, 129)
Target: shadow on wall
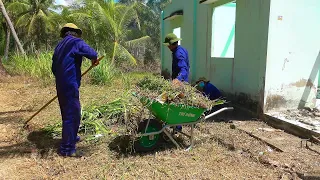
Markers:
point(312, 77)
point(166, 74)
point(242, 99)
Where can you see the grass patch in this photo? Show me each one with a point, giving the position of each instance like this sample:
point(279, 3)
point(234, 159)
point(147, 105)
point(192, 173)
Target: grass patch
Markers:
point(38, 65)
point(104, 73)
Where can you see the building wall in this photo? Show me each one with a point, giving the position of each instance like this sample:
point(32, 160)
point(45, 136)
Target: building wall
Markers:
point(293, 54)
point(241, 78)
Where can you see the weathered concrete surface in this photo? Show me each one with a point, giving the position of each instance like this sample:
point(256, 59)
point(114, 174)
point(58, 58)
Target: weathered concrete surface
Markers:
point(293, 58)
point(296, 128)
point(305, 116)
point(278, 138)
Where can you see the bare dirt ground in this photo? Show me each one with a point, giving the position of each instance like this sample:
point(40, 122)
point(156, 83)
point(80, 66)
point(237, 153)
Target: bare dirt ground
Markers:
point(222, 151)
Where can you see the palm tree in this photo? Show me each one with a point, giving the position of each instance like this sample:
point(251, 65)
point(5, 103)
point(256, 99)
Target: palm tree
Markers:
point(149, 12)
point(36, 19)
point(11, 27)
point(7, 31)
point(109, 22)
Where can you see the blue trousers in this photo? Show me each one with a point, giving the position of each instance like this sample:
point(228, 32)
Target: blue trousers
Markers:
point(71, 114)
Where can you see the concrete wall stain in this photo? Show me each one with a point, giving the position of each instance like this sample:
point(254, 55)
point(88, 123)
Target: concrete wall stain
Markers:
point(274, 101)
point(303, 83)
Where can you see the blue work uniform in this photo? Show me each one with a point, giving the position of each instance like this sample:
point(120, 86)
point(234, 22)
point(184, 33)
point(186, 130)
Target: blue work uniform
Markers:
point(211, 91)
point(180, 64)
point(66, 67)
point(180, 67)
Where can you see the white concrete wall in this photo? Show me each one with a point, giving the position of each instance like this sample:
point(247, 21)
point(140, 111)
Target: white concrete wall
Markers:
point(251, 38)
point(293, 54)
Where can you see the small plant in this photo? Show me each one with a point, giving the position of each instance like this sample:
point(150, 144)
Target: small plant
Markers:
point(104, 73)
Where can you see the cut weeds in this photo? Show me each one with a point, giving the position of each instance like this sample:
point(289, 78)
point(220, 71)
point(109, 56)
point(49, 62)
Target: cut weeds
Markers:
point(127, 110)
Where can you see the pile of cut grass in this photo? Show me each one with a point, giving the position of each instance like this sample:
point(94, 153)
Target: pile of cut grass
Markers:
point(159, 89)
point(127, 111)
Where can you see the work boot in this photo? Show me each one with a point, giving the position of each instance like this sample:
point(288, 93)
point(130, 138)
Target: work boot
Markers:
point(178, 129)
point(77, 154)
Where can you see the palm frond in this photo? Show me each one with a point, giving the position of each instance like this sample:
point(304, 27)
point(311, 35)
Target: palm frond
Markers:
point(127, 54)
point(31, 25)
point(18, 7)
point(79, 16)
point(23, 20)
point(138, 42)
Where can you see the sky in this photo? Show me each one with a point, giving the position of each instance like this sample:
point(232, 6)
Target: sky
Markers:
point(67, 2)
point(62, 2)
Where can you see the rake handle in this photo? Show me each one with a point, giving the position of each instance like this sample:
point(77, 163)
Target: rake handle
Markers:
point(47, 104)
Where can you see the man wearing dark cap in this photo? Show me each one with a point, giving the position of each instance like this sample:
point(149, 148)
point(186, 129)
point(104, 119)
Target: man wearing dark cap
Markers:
point(180, 61)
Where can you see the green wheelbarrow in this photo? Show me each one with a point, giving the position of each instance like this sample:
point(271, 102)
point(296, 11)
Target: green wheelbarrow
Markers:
point(167, 116)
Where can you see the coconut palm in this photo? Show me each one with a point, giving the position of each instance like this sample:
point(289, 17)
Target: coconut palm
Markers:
point(11, 27)
point(35, 19)
point(109, 24)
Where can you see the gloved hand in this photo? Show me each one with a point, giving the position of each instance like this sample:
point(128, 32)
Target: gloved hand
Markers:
point(176, 83)
point(94, 62)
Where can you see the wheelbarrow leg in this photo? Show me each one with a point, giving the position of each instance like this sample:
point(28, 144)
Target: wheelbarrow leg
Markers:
point(191, 138)
point(171, 138)
point(145, 131)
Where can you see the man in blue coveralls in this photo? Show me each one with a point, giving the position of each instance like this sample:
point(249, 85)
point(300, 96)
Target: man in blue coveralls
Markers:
point(66, 67)
point(208, 89)
point(180, 61)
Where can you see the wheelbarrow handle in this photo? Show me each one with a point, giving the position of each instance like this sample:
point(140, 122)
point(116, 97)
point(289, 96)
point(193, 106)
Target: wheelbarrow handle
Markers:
point(218, 111)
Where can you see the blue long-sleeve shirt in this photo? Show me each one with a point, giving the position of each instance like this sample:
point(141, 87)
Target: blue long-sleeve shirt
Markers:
point(67, 60)
point(180, 64)
point(211, 91)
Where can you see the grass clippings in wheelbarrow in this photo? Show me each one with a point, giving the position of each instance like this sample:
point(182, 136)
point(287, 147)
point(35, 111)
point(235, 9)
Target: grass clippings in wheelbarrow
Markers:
point(157, 88)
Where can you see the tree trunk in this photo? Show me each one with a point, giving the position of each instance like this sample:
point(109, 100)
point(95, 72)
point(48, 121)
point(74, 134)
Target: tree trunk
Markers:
point(6, 50)
point(14, 34)
point(2, 69)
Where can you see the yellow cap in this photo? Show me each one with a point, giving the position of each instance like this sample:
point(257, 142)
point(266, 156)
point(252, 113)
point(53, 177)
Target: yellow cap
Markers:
point(72, 26)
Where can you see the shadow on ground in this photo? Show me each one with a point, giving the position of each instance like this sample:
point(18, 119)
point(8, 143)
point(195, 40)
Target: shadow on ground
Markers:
point(13, 112)
point(38, 142)
point(231, 115)
point(123, 146)
point(10, 119)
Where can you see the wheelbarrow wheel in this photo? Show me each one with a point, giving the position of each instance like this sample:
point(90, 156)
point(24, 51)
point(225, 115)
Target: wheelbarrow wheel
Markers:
point(148, 143)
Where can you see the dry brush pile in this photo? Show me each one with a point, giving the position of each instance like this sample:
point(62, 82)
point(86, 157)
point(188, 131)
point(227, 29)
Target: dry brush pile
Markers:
point(127, 110)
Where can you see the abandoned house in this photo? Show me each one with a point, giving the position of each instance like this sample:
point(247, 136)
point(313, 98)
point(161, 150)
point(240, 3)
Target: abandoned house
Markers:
point(262, 54)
